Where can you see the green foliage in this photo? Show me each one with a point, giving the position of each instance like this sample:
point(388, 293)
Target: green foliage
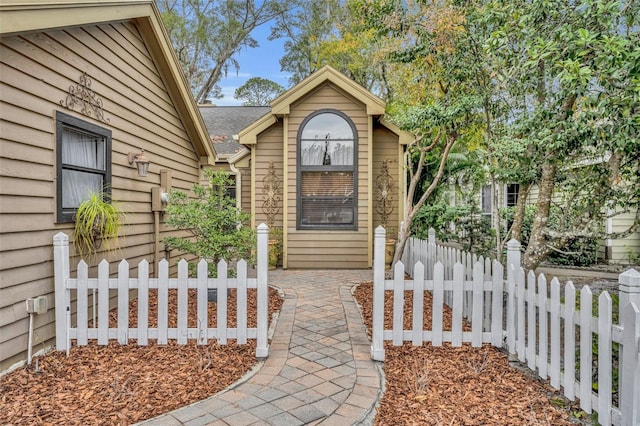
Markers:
point(462, 224)
point(305, 27)
point(206, 34)
point(258, 91)
point(506, 215)
point(97, 221)
point(218, 229)
point(579, 251)
point(566, 79)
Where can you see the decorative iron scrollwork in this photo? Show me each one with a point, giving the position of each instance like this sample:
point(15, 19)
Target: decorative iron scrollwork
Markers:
point(384, 193)
point(81, 94)
point(272, 189)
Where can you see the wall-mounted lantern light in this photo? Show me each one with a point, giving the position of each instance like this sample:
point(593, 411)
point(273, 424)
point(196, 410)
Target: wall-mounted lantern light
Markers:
point(142, 162)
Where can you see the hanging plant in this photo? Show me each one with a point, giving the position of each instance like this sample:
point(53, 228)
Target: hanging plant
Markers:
point(98, 221)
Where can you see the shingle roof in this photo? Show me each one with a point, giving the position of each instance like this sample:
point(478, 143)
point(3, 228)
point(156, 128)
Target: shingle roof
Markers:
point(225, 121)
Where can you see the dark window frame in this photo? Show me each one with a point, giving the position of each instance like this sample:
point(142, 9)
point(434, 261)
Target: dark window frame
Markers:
point(300, 169)
point(511, 194)
point(68, 121)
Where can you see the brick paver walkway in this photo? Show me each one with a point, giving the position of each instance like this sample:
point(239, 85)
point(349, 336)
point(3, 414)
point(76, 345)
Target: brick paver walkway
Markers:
point(318, 371)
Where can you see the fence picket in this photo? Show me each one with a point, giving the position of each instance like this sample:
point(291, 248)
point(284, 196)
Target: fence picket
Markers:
point(163, 302)
point(520, 315)
point(143, 303)
point(183, 296)
point(486, 315)
point(497, 304)
point(531, 320)
point(478, 309)
point(221, 305)
point(123, 302)
point(456, 322)
point(540, 328)
point(241, 308)
point(438, 301)
point(604, 358)
point(418, 303)
point(203, 302)
point(83, 298)
point(511, 308)
point(398, 303)
point(569, 340)
point(123, 286)
point(555, 333)
point(103, 303)
point(630, 381)
point(543, 344)
point(586, 354)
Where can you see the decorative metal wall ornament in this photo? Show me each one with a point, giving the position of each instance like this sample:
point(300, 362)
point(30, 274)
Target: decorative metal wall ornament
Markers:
point(384, 193)
point(272, 189)
point(81, 94)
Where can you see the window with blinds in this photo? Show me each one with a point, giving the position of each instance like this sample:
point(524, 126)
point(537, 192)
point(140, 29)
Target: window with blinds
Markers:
point(83, 157)
point(327, 172)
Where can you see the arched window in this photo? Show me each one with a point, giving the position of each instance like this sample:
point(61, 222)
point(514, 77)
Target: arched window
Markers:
point(327, 172)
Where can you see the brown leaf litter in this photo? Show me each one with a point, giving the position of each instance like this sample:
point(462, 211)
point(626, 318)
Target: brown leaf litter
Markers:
point(124, 384)
point(429, 385)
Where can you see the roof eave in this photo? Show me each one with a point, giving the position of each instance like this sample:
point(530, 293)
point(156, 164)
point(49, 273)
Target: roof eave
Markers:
point(249, 135)
point(25, 16)
point(404, 137)
point(281, 105)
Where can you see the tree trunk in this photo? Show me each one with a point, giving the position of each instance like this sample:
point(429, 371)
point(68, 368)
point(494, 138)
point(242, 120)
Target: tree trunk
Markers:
point(410, 209)
point(537, 249)
point(214, 77)
point(495, 214)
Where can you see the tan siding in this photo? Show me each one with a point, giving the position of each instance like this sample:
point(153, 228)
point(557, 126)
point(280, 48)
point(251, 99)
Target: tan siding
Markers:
point(268, 149)
point(246, 189)
point(386, 148)
point(37, 71)
point(325, 243)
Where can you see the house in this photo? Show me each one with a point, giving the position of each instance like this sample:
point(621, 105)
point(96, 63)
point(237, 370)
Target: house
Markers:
point(322, 165)
point(622, 251)
point(84, 88)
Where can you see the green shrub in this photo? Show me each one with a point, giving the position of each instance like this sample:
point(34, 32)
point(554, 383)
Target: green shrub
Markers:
point(462, 224)
point(218, 228)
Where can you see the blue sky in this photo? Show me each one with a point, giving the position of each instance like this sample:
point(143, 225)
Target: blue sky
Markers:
point(261, 62)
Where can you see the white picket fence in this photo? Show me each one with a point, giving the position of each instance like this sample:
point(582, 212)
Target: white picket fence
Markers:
point(123, 285)
point(545, 330)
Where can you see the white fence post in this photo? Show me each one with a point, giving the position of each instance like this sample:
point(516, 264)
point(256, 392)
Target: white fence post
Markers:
point(377, 344)
point(262, 349)
point(432, 236)
point(629, 292)
point(61, 274)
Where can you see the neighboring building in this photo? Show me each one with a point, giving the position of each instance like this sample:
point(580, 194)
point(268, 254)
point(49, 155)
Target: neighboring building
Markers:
point(622, 251)
point(323, 166)
point(82, 85)
point(616, 251)
point(224, 123)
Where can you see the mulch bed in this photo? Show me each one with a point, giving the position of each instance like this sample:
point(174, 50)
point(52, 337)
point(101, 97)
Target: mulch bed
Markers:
point(429, 385)
point(114, 384)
